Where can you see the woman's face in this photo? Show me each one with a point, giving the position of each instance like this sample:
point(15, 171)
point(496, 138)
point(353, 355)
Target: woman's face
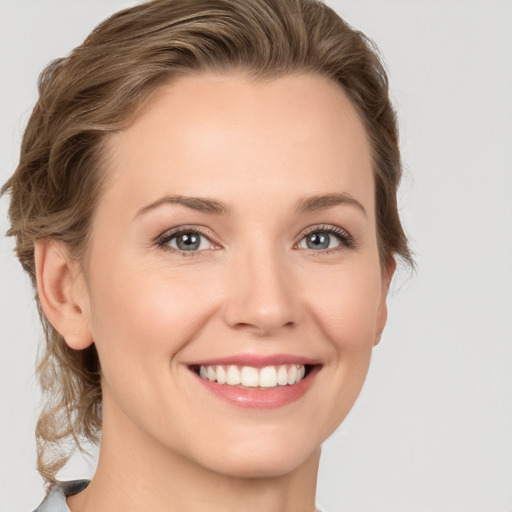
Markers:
point(235, 240)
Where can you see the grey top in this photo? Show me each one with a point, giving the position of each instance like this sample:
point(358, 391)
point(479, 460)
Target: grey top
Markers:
point(55, 501)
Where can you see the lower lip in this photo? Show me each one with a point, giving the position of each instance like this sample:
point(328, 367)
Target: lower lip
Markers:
point(260, 398)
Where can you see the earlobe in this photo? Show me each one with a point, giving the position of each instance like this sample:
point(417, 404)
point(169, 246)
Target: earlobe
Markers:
point(387, 276)
point(62, 293)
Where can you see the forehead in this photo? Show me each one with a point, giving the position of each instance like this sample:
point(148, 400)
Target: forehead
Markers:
point(226, 135)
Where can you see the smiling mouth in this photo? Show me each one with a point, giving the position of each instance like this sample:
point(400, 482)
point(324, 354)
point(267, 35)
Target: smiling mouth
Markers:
point(250, 377)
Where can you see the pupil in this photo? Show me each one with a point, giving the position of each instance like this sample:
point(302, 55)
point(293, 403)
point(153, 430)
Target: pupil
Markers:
point(188, 242)
point(318, 241)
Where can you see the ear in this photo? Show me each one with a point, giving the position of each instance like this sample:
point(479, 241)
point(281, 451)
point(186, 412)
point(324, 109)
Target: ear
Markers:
point(387, 275)
point(62, 292)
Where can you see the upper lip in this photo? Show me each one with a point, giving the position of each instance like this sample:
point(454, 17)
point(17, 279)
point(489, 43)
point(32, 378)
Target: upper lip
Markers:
point(256, 360)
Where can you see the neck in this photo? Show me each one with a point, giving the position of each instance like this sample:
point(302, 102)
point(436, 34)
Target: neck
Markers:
point(135, 473)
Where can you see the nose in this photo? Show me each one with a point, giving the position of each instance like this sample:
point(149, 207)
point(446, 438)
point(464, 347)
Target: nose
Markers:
point(262, 294)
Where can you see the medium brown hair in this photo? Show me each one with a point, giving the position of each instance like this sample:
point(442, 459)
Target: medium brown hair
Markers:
point(100, 87)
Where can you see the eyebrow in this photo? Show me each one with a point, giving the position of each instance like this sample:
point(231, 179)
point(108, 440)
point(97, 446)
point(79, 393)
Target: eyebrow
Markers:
point(207, 205)
point(200, 204)
point(325, 201)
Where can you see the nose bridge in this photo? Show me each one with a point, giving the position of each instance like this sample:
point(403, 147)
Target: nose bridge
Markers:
point(261, 289)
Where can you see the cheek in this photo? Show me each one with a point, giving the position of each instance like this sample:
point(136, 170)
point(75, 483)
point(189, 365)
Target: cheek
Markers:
point(143, 310)
point(346, 304)
point(143, 316)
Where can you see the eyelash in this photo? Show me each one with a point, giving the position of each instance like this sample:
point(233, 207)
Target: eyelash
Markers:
point(345, 239)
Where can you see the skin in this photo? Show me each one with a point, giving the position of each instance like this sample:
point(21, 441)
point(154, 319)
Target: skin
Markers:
point(253, 287)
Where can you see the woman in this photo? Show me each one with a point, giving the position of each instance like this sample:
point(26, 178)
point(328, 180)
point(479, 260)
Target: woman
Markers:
point(206, 204)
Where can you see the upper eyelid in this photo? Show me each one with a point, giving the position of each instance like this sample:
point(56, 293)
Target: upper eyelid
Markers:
point(331, 228)
point(324, 227)
point(202, 230)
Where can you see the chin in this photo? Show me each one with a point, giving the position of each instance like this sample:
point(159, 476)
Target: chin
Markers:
point(255, 467)
point(265, 458)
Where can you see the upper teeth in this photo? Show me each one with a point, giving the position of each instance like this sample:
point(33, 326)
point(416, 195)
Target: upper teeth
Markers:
point(267, 377)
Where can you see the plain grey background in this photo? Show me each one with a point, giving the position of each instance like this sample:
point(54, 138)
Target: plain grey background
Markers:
point(432, 430)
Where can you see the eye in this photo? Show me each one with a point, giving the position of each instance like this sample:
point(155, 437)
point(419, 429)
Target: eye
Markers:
point(326, 238)
point(186, 240)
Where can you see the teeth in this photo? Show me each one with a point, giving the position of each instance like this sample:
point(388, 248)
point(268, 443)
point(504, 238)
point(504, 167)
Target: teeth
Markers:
point(233, 376)
point(210, 373)
point(251, 377)
point(292, 375)
point(221, 375)
point(282, 376)
point(268, 377)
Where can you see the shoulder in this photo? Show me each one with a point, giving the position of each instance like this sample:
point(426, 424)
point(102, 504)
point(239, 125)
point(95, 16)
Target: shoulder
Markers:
point(55, 500)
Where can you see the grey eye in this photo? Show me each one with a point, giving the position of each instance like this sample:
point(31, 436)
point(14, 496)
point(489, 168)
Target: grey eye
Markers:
point(189, 241)
point(320, 241)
